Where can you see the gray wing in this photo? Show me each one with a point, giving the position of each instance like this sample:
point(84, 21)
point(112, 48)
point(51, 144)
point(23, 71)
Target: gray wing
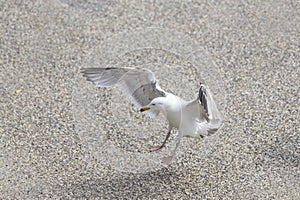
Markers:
point(138, 84)
point(205, 108)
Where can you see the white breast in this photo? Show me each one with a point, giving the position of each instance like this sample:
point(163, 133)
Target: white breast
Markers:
point(174, 110)
point(182, 119)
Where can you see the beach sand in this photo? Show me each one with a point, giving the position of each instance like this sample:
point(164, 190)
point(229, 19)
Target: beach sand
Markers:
point(251, 48)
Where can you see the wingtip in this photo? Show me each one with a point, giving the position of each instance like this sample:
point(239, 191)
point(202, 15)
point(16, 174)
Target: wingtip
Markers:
point(85, 71)
point(202, 90)
point(202, 85)
point(203, 98)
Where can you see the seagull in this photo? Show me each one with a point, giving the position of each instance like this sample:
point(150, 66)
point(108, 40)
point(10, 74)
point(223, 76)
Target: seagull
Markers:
point(197, 118)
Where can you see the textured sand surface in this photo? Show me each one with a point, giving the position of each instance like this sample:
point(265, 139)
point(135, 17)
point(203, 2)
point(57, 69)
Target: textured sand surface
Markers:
point(247, 51)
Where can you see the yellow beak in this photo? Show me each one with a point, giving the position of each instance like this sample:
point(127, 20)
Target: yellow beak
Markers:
point(144, 108)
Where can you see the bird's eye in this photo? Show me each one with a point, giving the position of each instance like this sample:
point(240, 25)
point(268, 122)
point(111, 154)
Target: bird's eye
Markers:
point(153, 104)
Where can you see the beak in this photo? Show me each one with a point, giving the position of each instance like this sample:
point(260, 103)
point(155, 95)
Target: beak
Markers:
point(144, 108)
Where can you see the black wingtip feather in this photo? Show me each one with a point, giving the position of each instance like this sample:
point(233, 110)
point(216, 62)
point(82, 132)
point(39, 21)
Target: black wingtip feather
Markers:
point(203, 98)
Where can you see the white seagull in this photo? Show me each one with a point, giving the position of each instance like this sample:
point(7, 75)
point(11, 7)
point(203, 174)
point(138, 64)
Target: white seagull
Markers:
point(197, 118)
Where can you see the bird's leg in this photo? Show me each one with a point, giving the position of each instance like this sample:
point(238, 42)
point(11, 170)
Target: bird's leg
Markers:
point(156, 148)
point(168, 159)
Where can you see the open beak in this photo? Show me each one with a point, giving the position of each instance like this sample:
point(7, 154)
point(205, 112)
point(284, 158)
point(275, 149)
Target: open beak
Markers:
point(144, 108)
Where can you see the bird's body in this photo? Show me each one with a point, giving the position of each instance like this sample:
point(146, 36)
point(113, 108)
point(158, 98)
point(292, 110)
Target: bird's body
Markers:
point(196, 118)
point(177, 113)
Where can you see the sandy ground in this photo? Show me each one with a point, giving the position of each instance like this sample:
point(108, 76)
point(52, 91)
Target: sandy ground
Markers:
point(248, 52)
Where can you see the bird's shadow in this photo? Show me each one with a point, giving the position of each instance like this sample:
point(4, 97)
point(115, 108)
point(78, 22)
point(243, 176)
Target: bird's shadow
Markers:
point(124, 185)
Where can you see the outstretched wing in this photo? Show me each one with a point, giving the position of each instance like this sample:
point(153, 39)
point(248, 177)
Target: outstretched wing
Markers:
point(138, 84)
point(205, 108)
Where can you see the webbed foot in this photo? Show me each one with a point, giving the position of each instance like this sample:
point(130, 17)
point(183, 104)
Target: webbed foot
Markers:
point(155, 148)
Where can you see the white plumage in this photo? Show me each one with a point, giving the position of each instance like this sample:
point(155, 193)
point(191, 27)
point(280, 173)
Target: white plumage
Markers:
point(197, 118)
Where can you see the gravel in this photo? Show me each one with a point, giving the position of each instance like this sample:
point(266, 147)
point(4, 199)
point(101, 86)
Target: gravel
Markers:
point(60, 137)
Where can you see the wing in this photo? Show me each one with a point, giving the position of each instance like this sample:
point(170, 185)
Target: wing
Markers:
point(205, 108)
point(138, 84)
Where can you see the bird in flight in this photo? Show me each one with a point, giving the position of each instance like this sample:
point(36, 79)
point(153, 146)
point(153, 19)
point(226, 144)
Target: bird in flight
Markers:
point(196, 118)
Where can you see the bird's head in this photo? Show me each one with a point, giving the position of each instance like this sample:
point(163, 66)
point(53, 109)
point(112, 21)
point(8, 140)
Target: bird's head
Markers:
point(157, 104)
